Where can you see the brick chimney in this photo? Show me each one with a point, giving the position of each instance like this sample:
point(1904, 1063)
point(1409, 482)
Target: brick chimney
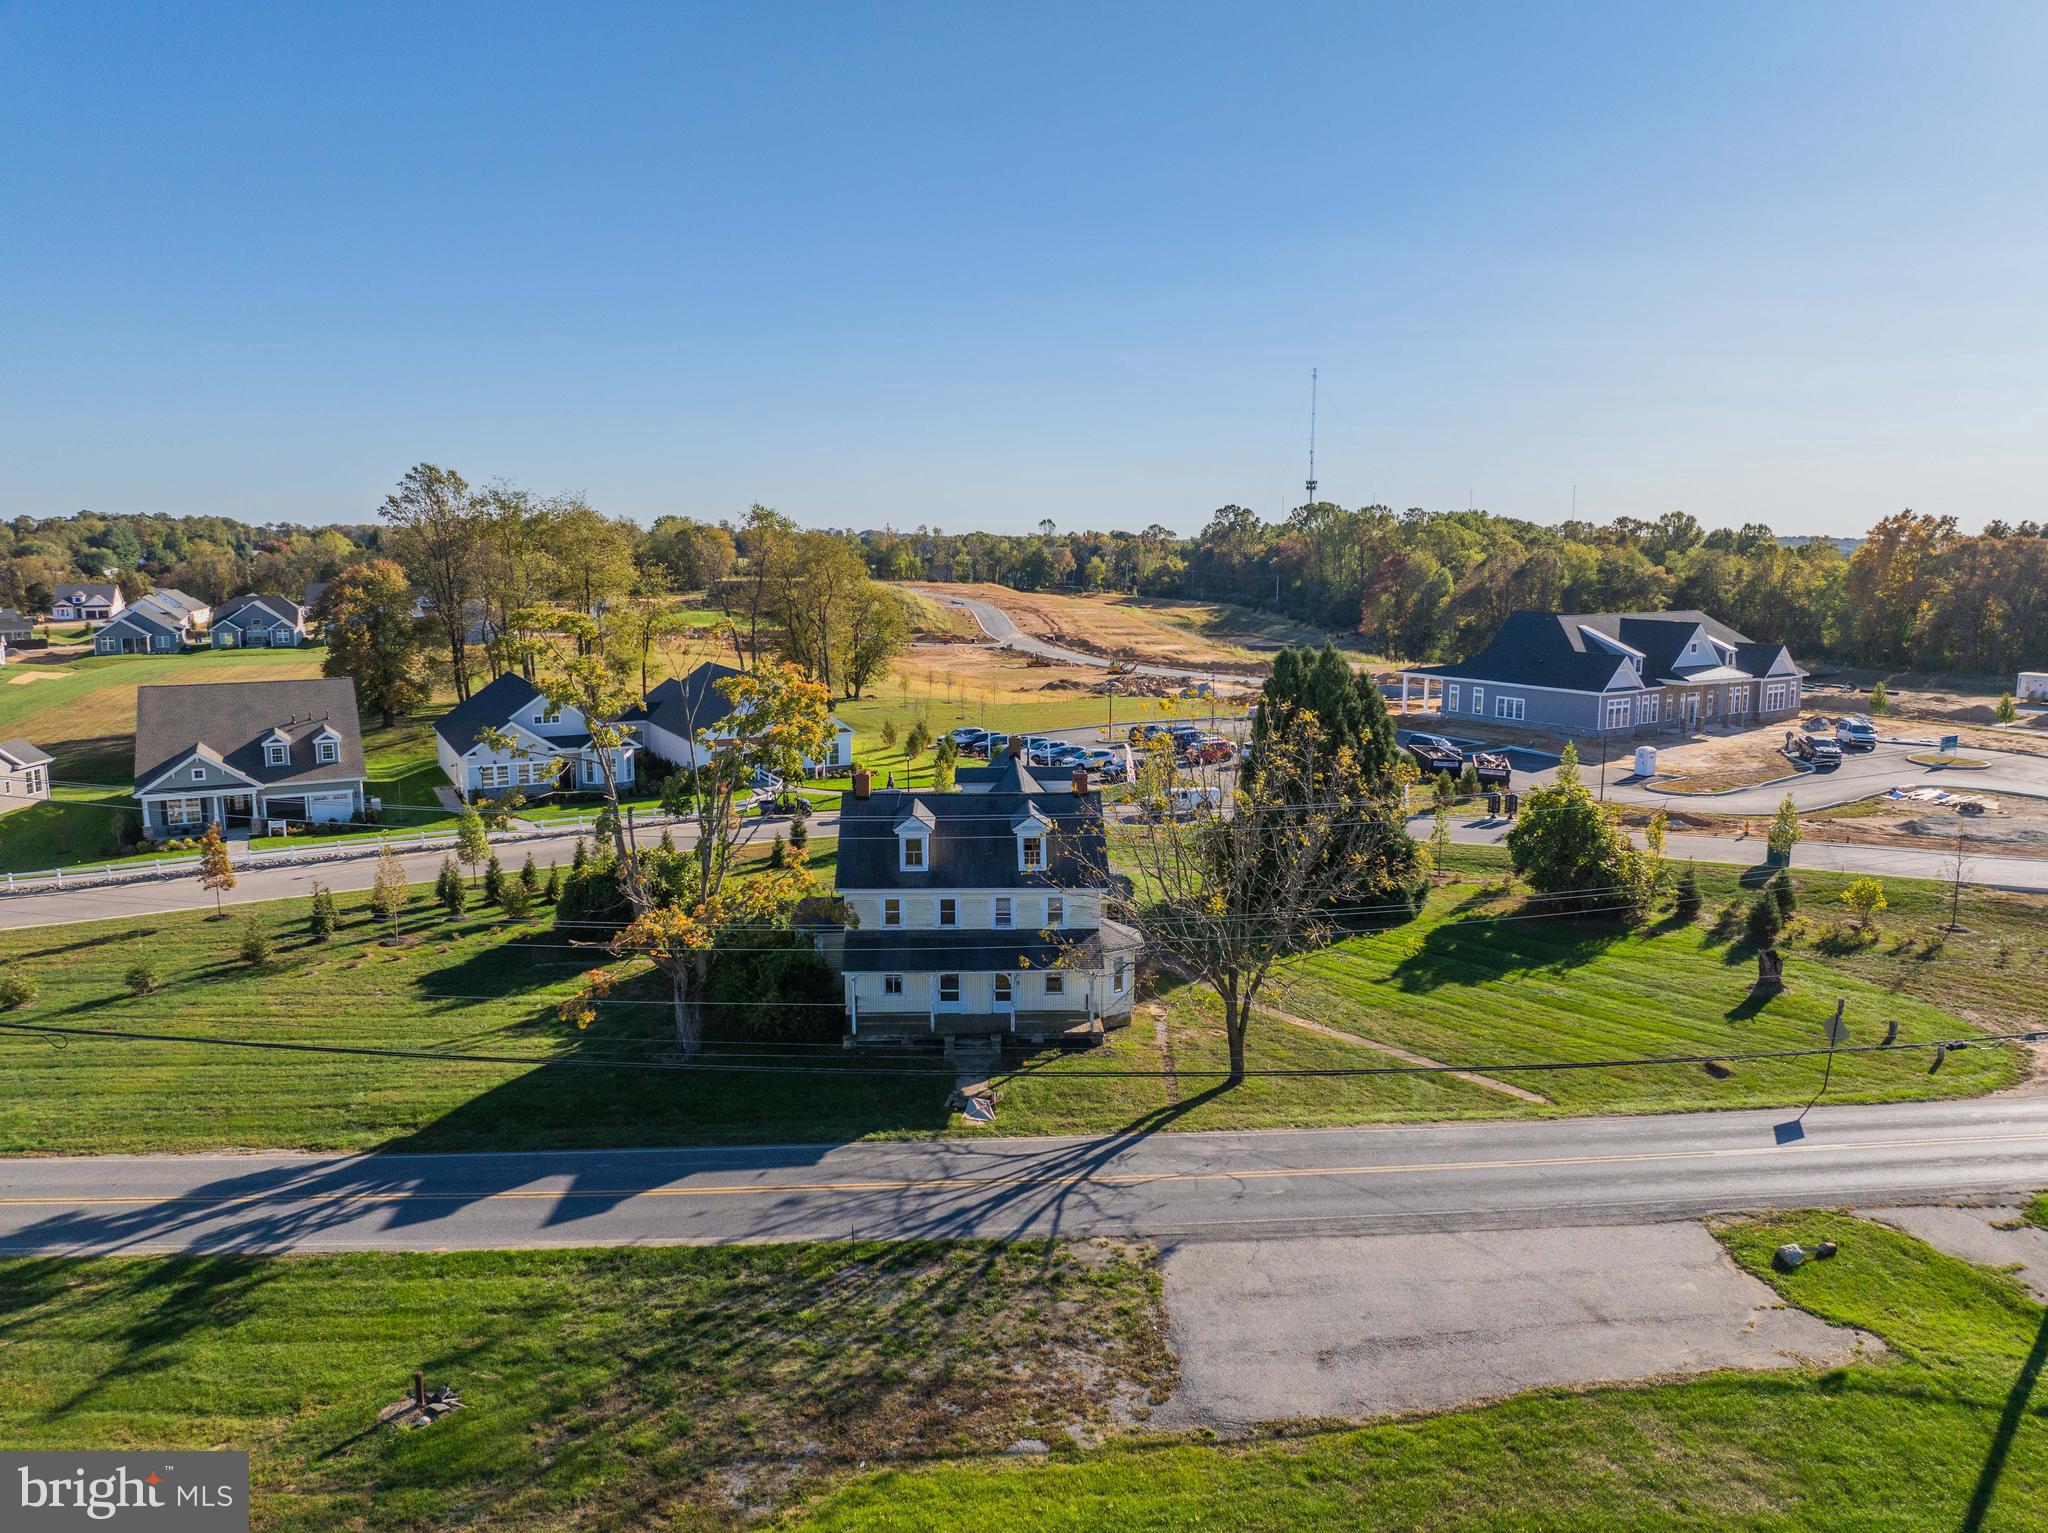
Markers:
point(1080, 780)
point(862, 782)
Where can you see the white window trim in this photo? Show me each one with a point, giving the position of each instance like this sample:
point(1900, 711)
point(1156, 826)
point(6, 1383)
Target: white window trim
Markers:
point(946, 912)
point(892, 984)
point(892, 911)
point(924, 854)
point(1056, 911)
point(1002, 917)
point(1027, 840)
point(1617, 713)
point(327, 749)
point(1509, 708)
point(276, 755)
point(1479, 700)
point(1116, 976)
point(939, 997)
point(1450, 697)
point(198, 773)
point(1055, 984)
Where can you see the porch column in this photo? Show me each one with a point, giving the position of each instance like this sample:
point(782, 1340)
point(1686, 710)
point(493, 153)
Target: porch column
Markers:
point(1404, 694)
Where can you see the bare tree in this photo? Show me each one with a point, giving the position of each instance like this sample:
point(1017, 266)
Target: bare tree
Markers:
point(437, 536)
point(1224, 889)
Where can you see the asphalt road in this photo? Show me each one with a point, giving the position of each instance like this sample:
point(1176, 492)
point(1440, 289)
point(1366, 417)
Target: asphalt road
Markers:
point(997, 625)
point(1139, 1183)
point(1861, 774)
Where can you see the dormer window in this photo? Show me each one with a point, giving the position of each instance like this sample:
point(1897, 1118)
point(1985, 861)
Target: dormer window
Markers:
point(913, 848)
point(913, 839)
point(1031, 853)
point(1031, 828)
point(327, 746)
point(547, 713)
point(275, 754)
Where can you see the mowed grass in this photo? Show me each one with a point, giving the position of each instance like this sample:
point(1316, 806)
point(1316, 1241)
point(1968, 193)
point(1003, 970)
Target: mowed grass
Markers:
point(1477, 981)
point(1945, 1430)
point(473, 987)
point(675, 1388)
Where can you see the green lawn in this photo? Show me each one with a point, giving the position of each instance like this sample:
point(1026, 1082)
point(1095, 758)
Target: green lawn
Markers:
point(1946, 1431)
point(629, 1389)
point(1459, 984)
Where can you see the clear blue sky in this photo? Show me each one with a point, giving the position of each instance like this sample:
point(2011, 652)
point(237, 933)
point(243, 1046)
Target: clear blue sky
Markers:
point(972, 265)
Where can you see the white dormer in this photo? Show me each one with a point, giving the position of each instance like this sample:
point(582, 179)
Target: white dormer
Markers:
point(1033, 832)
point(277, 748)
point(914, 840)
point(327, 745)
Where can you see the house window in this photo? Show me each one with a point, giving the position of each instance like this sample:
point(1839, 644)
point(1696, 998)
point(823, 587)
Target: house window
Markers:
point(892, 911)
point(183, 811)
point(1002, 917)
point(949, 990)
point(1055, 910)
point(1479, 699)
point(913, 853)
point(493, 776)
point(35, 780)
point(1738, 699)
point(327, 748)
point(275, 755)
point(1646, 708)
point(199, 774)
point(1451, 698)
point(1031, 853)
point(892, 984)
point(1116, 976)
point(547, 713)
point(1055, 984)
point(1005, 995)
point(1617, 713)
point(1774, 695)
point(1507, 707)
point(949, 912)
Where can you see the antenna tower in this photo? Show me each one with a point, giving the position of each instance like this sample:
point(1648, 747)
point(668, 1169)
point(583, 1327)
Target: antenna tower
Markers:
point(1311, 436)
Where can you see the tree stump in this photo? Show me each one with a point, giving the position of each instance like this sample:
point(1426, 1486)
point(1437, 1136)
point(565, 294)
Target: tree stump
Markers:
point(1770, 972)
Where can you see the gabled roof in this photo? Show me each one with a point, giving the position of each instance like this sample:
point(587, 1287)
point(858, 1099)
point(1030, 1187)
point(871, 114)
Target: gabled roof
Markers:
point(1564, 650)
point(23, 754)
point(269, 611)
point(489, 707)
point(228, 721)
point(166, 599)
point(973, 842)
point(9, 618)
point(1007, 775)
point(684, 705)
point(87, 592)
point(150, 620)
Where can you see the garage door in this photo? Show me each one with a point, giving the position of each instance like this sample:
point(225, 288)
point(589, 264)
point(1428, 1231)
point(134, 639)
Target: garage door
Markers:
point(325, 808)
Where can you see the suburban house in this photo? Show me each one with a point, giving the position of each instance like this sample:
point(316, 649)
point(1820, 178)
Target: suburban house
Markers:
point(14, 628)
point(245, 753)
point(1613, 672)
point(158, 623)
point(548, 747)
point(258, 622)
point(979, 913)
point(24, 774)
point(680, 713)
point(86, 603)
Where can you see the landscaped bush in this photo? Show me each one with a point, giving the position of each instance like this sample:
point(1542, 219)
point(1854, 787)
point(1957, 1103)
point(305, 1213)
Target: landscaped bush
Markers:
point(1765, 923)
point(325, 915)
point(16, 990)
point(253, 947)
point(764, 985)
point(516, 899)
point(143, 977)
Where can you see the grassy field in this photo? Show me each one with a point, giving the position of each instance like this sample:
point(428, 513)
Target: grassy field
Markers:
point(1470, 982)
point(677, 1388)
point(1944, 1431)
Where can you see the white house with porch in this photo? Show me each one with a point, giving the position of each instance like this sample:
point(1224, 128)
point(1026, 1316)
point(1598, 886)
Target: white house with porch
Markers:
point(541, 747)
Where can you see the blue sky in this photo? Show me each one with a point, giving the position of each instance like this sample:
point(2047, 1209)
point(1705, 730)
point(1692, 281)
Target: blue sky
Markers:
point(973, 265)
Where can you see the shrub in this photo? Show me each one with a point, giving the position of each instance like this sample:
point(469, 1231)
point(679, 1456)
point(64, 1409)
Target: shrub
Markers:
point(1880, 699)
point(325, 915)
point(449, 890)
point(889, 733)
point(679, 793)
point(916, 742)
point(517, 899)
point(778, 855)
point(1688, 902)
point(1783, 892)
point(1865, 897)
point(253, 947)
point(579, 857)
point(494, 881)
point(529, 875)
point(1764, 921)
point(667, 843)
point(143, 977)
point(800, 831)
point(2008, 710)
point(552, 889)
point(16, 989)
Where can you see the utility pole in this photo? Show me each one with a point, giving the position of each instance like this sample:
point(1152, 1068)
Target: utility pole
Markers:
point(1311, 453)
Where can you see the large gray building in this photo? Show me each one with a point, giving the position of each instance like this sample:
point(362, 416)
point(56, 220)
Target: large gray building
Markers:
point(1613, 673)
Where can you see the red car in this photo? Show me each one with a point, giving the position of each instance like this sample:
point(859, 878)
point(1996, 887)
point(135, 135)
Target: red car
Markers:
point(1210, 750)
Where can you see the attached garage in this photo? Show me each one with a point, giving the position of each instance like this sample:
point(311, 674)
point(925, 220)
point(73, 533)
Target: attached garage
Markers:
point(328, 808)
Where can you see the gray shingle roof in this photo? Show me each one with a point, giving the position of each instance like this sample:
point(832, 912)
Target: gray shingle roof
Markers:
point(150, 620)
point(1551, 649)
point(972, 845)
point(21, 753)
point(87, 592)
point(489, 707)
point(682, 705)
point(231, 719)
point(867, 952)
point(269, 611)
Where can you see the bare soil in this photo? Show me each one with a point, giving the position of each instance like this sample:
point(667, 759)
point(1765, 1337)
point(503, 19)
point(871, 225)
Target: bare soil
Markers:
point(2008, 824)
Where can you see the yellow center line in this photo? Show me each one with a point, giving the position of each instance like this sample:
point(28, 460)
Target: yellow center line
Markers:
point(1028, 1180)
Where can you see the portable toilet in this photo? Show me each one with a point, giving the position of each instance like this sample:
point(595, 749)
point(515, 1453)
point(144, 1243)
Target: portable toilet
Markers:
point(1646, 761)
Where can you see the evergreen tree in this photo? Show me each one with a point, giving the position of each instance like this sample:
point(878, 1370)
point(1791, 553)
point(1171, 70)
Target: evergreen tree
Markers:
point(778, 855)
point(1688, 902)
point(449, 890)
point(579, 857)
point(800, 832)
point(2008, 711)
point(529, 875)
point(325, 916)
point(516, 898)
point(254, 945)
point(1783, 892)
point(1765, 922)
point(668, 839)
point(494, 881)
point(552, 889)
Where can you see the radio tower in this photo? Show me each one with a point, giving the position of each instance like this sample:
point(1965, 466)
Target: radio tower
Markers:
point(1311, 436)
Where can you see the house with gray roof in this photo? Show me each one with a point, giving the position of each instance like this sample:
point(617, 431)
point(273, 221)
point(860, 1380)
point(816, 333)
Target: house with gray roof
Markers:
point(85, 601)
point(688, 716)
point(979, 913)
point(239, 754)
point(258, 622)
point(14, 627)
point(540, 747)
point(159, 623)
point(1613, 673)
point(24, 775)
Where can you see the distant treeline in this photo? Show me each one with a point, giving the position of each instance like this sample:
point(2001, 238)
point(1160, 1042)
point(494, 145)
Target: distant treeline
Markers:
point(1913, 593)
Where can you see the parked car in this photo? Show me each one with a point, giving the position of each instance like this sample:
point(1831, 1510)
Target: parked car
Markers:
point(1817, 749)
point(1434, 754)
point(1856, 734)
point(1208, 750)
point(1105, 762)
point(1145, 734)
point(969, 741)
point(1183, 802)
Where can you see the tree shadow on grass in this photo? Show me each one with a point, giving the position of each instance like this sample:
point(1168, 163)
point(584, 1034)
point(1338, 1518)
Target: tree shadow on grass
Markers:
point(1480, 952)
point(2009, 1419)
